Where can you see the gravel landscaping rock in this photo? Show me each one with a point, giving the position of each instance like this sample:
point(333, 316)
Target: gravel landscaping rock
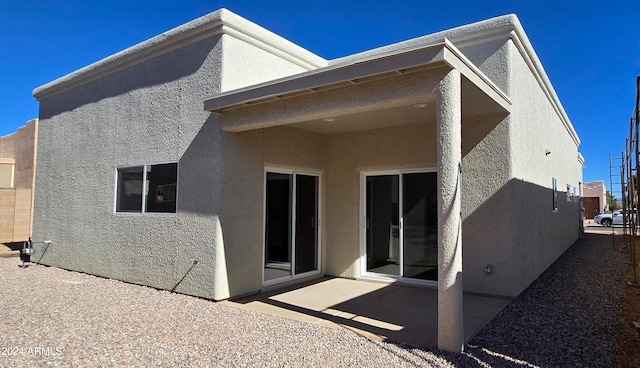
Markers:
point(53, 317)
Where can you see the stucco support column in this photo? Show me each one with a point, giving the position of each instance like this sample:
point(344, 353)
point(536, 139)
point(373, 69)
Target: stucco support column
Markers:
point(449, 126)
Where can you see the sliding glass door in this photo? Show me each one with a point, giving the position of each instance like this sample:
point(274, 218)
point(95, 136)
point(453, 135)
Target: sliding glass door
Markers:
point(401, 229)
point(291, 225)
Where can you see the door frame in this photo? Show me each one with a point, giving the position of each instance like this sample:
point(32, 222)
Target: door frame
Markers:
point(292, 276)
point(363, 226)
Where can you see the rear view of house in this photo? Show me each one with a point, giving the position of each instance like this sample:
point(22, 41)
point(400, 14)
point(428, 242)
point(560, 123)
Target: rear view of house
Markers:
point(219, 159)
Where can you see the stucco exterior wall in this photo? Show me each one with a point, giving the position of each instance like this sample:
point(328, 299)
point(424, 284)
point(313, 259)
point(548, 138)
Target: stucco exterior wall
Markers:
point(150, 111)
point(596, 189)
point(245, 157)
point(349, 155)
point(543, 149)
point(524, 201)
point(239, 66)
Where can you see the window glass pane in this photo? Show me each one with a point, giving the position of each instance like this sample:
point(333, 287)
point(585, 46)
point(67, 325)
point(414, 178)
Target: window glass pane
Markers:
point(555, 194)
point(306, 241)
point(6, 175)
point(278, 219)
point(383, 224)
point(420, 225)
point(160, 188)
point(129, 190)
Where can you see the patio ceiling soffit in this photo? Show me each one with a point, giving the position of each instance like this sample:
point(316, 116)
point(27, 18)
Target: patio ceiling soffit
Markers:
point(341, 75)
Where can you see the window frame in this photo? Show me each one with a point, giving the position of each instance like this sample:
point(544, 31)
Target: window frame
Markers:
point(143, 209)
point(555, 193)
point(12, 176)
point(362, 268)
point(319, 222)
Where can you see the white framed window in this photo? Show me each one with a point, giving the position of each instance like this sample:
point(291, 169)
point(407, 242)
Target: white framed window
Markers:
point(150, 188)
point(7, 173)
point(580, 189)
point(555, 194)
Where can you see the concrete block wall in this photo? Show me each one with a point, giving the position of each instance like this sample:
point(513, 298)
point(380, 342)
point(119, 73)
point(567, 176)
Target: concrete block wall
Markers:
point(7, 214)
point(15, 215)
point(19, 149)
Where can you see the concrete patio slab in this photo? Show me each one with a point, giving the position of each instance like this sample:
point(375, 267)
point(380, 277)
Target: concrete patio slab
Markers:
point(381, 311)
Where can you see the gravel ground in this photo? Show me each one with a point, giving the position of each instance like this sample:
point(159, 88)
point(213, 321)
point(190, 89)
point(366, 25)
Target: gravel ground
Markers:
point(53, 317)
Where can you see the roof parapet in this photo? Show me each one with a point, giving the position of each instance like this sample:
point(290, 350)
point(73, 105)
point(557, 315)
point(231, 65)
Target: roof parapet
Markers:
point(506, 26)
point(221, 21)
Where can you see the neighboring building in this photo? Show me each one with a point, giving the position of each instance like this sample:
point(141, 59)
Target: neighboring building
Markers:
point(221, 141)
point(594, 198)
point(17, 173)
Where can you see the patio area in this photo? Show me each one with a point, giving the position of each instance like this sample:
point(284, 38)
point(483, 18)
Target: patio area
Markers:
point(381, 311)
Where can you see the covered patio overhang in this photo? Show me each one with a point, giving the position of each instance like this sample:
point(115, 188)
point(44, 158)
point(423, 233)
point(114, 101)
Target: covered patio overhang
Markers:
point(381, 91)
point(373, 88)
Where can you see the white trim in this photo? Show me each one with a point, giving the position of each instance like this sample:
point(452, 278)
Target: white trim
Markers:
point(293, 173)
point(145, 189)
point(11, 165)
point(115, 191)
point(554, 188)
point(115, 195)
point(13, 175)
point(363, 228)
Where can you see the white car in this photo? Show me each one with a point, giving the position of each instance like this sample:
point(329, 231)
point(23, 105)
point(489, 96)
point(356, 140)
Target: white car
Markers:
point(616, 218)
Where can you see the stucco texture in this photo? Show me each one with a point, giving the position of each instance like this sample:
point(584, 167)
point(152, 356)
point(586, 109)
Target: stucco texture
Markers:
point(151, 111)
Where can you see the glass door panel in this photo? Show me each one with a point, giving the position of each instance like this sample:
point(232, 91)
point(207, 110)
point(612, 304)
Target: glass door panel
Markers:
point(402, 225)
point(383, 226)
point(277, 258)
point(420, 226)
point(306, 240)
point(291, 225)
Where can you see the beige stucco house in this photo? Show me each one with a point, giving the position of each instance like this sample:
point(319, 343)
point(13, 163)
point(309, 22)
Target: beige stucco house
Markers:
point(435, 161)
point(17, 175)
point(594, 198)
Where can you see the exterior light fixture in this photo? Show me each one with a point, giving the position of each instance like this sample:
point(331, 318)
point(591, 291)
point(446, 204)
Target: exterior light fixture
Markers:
point(420, 105)
point(328, 120)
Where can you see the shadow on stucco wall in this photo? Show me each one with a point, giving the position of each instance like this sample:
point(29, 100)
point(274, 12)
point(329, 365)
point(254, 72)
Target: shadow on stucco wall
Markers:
point(517, 232)
point(167, 68)
point(200, 171)
point(476, 128)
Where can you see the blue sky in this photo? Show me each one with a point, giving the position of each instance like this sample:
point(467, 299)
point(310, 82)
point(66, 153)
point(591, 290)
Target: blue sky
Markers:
point(589, 49)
